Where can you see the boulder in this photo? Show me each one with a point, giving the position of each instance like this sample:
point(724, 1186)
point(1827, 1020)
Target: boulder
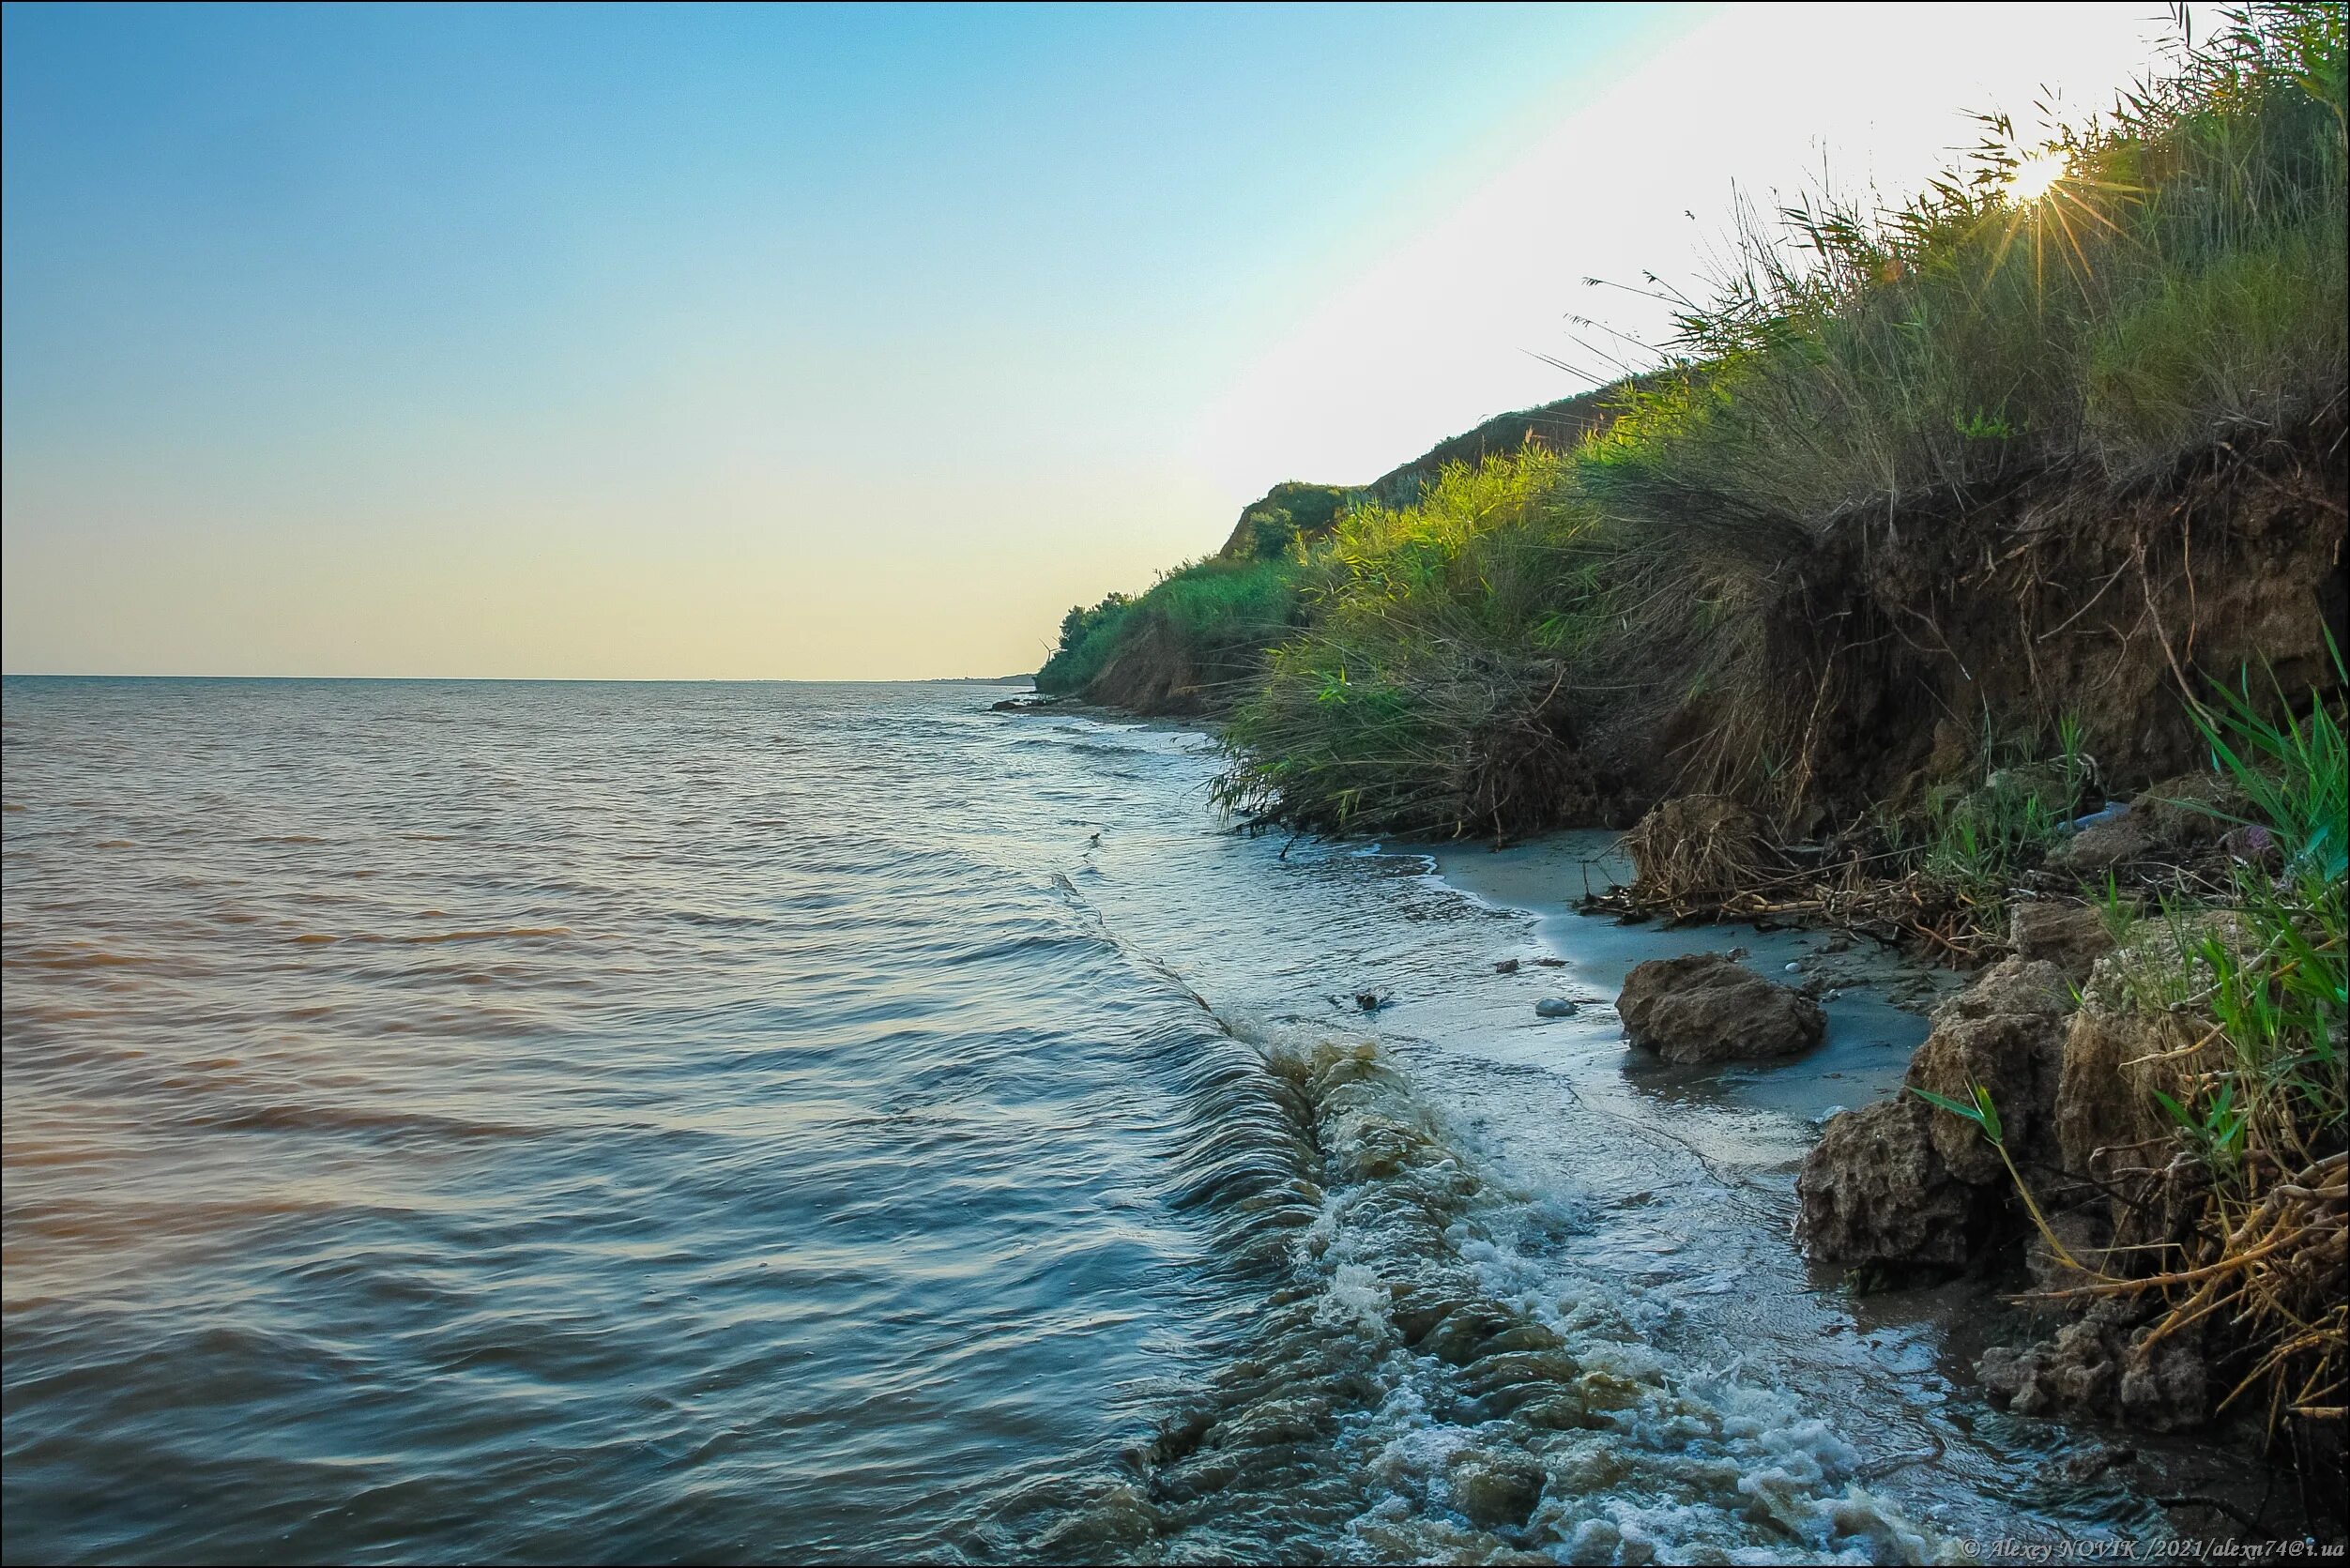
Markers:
point(1876, 1189)
point(2004, 1032)
point(2072, 937)
point(2108, 1123)
point(1706, 1007)
point(2165, 1385)
point(2072, 1373)
point(2102, 846)
point(2026, 987)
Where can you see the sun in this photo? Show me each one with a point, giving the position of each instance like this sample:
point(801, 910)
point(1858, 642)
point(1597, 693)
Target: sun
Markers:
point(2035, 174)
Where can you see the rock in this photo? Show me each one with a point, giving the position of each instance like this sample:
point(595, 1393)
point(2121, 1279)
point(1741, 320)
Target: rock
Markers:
point(2192, 810)
point(2166, 821)
point(2113, 813)
point(2102, 846)
point(2072, 1373)
point(2125, 1045)
point(2105, 1125)
point(1873, 1190)
point(2006, 1034)
point(2014, 986)
point(2165, 1387)
point(2097, 1367)
point(1370, 1001)
point(1555, 1007)
point(1505, 966)
point(1495, 1490)
point(1706, 1008)
point(2072, 937)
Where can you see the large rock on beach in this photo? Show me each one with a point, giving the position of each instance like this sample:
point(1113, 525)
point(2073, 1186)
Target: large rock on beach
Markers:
point(2006, 1034)
point(1876, 1189)
point(1905, 1184)
point(1708, 1007)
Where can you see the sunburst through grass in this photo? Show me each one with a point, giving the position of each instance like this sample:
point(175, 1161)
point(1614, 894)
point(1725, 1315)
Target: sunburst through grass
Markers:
point(2035, 174)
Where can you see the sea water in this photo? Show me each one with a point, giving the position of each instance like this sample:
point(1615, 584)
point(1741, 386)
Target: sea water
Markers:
point(581, 1122)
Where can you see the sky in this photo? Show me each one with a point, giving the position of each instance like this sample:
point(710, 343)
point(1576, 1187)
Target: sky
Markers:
point(840, 343)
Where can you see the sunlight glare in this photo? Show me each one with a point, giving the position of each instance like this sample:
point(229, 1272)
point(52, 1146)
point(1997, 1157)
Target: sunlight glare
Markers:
point(2035, 174)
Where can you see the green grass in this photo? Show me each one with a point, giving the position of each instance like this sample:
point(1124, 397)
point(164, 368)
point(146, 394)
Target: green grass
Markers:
point(1224, 613)
point(1429, 687)
point(2185, 276)
point(2280, 997)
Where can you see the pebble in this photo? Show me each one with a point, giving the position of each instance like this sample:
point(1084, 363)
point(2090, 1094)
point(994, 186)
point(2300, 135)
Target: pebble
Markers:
point(1505, 966)
point(1795, 968)
point(1556, 1007)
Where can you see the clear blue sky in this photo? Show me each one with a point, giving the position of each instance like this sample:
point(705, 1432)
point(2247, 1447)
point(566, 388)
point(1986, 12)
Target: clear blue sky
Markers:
point(738, 342)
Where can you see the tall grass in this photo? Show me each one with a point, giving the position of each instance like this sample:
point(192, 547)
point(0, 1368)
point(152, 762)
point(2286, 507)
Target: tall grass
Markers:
point(1429, 691)
point(1221, 614)
point(2186, 273)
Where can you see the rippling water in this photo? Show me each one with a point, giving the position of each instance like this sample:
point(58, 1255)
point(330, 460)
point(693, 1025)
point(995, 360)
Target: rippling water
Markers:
point(574, 1122)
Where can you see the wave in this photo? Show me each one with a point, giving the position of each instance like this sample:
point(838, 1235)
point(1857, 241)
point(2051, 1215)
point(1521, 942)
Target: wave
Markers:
point(1427, 1377)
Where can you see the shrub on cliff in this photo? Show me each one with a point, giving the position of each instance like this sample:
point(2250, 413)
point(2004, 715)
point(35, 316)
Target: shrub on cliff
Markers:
point(1429, 688)
point(1207, 623)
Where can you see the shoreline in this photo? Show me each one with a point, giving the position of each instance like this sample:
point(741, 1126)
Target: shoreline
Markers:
point(1739, 1134)
point(1711, 1111)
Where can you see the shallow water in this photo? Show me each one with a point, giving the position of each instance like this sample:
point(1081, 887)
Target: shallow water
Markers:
point(566, 1123)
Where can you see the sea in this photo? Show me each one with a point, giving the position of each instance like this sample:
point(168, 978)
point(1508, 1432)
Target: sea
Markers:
point(576, 1122)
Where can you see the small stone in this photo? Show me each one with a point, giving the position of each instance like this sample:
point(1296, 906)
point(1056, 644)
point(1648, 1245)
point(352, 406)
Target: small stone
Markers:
point(1506, 966)
point(1370, 1001)
point(1556, 1007)
point(1795, 968)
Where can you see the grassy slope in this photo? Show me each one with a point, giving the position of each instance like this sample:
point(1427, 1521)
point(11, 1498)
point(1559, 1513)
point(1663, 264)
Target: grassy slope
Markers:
point(1786, 570)
point(1197, 640)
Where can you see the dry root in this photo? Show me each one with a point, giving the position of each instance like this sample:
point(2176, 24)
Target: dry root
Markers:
point(1698, 851)
point(2269, 1268)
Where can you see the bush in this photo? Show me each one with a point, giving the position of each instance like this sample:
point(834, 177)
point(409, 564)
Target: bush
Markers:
point(1428, 692)
point(1219, 615)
